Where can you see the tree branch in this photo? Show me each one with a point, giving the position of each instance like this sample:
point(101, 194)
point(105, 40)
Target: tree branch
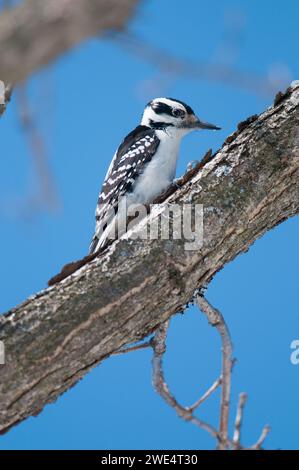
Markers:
point(158, 344)
point(55, 337)
point(238, 421)
point(178, 67)
point(216, 319)
point(5, 95)
point(36, 32)
point(184, 412)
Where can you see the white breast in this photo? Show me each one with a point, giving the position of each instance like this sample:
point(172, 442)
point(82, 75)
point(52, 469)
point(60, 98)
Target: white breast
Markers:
point(160, 172)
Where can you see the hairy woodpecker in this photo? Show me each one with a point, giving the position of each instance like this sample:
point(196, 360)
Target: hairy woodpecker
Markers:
point(144, 164)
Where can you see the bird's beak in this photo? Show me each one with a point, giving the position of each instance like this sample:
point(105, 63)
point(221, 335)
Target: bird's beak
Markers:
point(195, 123)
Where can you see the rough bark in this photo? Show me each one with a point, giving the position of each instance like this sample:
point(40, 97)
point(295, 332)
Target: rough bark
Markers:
point(36, 32)
point(55, 337)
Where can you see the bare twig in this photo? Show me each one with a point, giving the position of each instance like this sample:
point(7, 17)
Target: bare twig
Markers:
point(238, 425)
point(215, 318)
point(224, 442)
point(136, 347)
point(261, 440)
point(159, 348)
point(238, 421)
point(47, 194)
point(206, 395)
point(175, 67)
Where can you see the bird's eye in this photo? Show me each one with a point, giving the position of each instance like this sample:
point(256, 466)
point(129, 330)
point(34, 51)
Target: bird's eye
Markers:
point(177, 112)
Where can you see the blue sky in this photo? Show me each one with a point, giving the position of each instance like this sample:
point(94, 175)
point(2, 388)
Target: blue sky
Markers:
point(84, 104)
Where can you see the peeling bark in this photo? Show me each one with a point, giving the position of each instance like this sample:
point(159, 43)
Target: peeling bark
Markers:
point(55, 337)
point(36, 32)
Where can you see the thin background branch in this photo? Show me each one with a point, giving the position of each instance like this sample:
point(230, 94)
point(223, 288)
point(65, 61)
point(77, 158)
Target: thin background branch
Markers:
point(5, 95)
point(216, 319)
point(159, 348)
point(174, 67)
point(158, 343)
point(46, 195)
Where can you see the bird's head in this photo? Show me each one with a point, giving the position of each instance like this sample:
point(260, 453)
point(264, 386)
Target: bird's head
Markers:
point(172, 115)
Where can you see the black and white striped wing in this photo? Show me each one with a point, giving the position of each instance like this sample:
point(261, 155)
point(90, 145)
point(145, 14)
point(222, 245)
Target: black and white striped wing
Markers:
point(136, 150)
